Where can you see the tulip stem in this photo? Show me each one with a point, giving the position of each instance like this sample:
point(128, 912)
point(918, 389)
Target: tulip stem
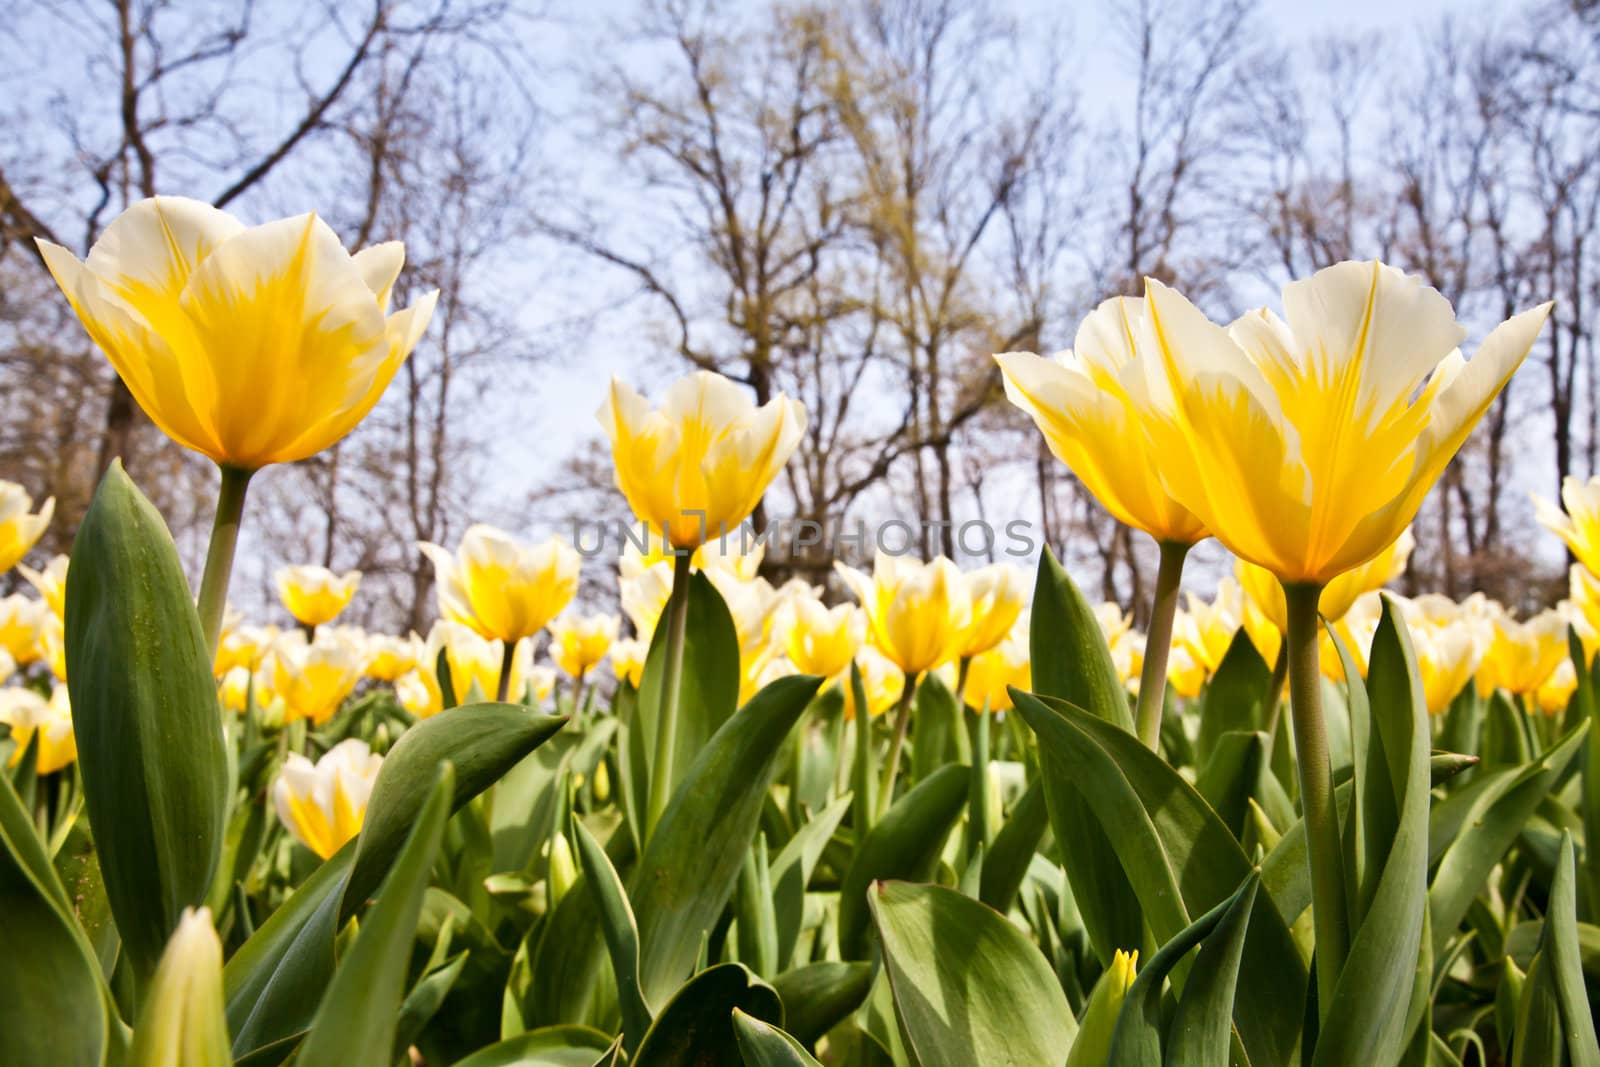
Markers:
point(219, 555)
point(1158, 643)
point(891, 767)
point(1329, 915)
point(979, 835)
point(508, 657)
point(671, 683)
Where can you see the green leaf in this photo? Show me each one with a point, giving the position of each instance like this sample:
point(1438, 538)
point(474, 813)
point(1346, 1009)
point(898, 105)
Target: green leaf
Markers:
point(1361, 1023)
point(969, 987)
point(763, 1045)
point(1488, 828)
point(54, 1008)
point(482, 742)
point(355, 1023)
point(709, 686)
point(1234, 696)
point(905, 844)
point(1232, 776)
point(424, 1001)
point(1072, 662)
point(757, 923)
point(819, 996)
point(1562, 958)
point(941, 736)
point(695, 1029)
point(551, 1046)
point(1005, 864)
point(791, 872)
point(1181, 860)
point(1201, 1023)
point(620, 930)
point(691, 862)
point(144, 709)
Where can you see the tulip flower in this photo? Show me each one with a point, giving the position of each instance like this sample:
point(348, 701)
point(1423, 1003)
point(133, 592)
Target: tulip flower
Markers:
point(1264, 589)
point(418, 693)
point(503, 589)
point(312, 678)
point(1579, 524)
point(696, 468)
point(918, 615)
point(51, 583)
point(243, 646)
point(20, 530)
point(1306, 445)
point(991, 674)
point(881, 682)
point(627, 660)
point(1447, 658)
point(249, 345)
point(997, 593)
point(323, 804)
point(475, 663)
point(315, 595)
point(22, 621)
point(183, 1018)
point(233, 690)
point(577, 643)
point(760, 671)
point(1523, 655)
point(1207, 629)
point(49, 721)
point(390, 657)
point(1089, 403)
point(1555, 692)
point(820, 640)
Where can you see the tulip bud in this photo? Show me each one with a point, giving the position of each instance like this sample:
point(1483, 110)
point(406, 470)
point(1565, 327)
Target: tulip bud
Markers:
point(1093, 1043)
point(563, 868)
point(183, 1023)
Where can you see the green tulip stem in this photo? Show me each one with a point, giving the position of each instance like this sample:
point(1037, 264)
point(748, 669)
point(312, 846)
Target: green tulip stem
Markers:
point(902, 721)
point(1329, 915)
point(978, 797)
point(219, 555)
point(865, 802)
point(508, 659)
point(1158, 643)
point(671, 683)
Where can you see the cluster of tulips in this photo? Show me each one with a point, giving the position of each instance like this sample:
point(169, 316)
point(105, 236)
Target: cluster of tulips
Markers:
point(913, 815)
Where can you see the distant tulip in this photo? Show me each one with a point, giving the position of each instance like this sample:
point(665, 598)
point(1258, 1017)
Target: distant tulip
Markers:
point(248, 345)
point(234, 689)
point(311, 679)
point(418, 693)
point(50, 720)
point(881, 681)
point(22, 620)
point(51, 583)
point(389, 657)
point(243, 646)
point(1579, 524)
point(1523, 655)
point(997, 593)
point(698, 466)
point(504, 589)
point(316, 595)
point(918, 613)
point(627, 660)
point(20, 530)
point(579, 642)
point(323, 804)
point(820, 640)
point(1264, 589)
point(991, 674)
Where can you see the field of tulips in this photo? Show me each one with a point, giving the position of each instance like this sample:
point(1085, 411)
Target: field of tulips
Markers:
point(922, 817)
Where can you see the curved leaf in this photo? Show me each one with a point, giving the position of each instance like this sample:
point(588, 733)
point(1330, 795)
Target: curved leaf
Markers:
point(695, 1029)
point(763, 1045)
point(620, 930)
point(791, 872)
point(1005, 864)
point(550, 1046)
point(819, 996)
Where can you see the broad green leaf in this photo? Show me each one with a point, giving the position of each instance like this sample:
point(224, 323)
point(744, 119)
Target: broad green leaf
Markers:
point(941, 736)
point(1232, 776)
point(1072, 662)
point(905, 844)
point(275, 980)
point(969, 987)
point(1360, 1022)
point(1005, 863)
point(691, 862)
point(695, 1029)
point(550, 1046)
point(482, 742)
point(568, 978)
point(53, 1005)
point(620, 930)
point(709, 686)
point(819, 996)
point(144, 709)
point(764, 1045)
point(791, 872)
point(1487, 829)
point(1137, 1039)
point(181, 1022)
point(1233, 698)
point(522, 801)
point(355, 1023)
point(1181, 859)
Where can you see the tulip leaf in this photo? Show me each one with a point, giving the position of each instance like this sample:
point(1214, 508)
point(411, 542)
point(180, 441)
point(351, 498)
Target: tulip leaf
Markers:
point(620, 930)
point(53, 1005)
point(905, 844)
point(550, 1046)
point(424, 1001)
point(1005, 863)
point(1233, 698)
point(819, 996)
point(764, 1045)
point(941, 734)
point(1559, 964)
point(1199, 1031)
point(1488, 828)
point(969, 987)
point(691, 862)
point(355, 1023)
point(569, 978)
point(708, 686)
point(1071, 661)
point(1360, 1023)
point(1232, 776)
point(1181, 859)
point(695, 1029)
point(791, 872)
point(144, 710)
point(482, 742)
